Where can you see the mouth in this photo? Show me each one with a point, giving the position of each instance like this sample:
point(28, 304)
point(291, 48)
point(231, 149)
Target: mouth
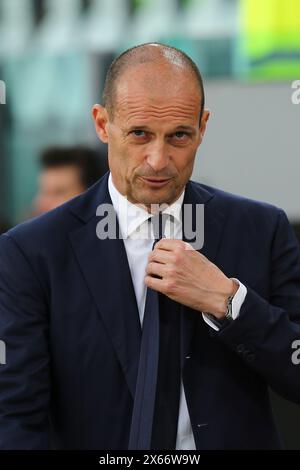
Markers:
point(156, 182)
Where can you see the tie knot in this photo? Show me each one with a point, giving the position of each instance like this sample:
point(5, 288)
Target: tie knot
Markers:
point(159, 221)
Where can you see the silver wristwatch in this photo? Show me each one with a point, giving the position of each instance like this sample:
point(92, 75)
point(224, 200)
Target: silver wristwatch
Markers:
point(227, 319)
point(228, 314)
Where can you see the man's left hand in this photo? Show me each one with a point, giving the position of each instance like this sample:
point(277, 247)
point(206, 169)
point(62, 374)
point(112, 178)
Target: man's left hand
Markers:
point(188, 277)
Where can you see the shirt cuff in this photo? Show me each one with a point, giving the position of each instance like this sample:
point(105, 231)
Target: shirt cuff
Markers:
point(237, 303)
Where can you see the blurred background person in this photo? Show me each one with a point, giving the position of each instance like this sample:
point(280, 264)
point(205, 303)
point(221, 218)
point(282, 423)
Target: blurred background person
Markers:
point(65, 173)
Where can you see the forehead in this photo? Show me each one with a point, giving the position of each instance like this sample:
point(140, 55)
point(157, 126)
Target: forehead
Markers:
point(148, 92)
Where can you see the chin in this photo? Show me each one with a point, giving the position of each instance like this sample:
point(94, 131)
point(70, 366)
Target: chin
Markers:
point(155, 197)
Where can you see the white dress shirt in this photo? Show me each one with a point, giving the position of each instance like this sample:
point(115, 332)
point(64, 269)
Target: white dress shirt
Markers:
point(134, 227)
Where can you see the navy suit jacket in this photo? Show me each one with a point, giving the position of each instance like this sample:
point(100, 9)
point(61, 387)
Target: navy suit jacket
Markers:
point(69, 319)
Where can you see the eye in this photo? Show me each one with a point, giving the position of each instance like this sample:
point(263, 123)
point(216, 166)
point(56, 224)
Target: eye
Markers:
point(180, 135)
point(138, 133)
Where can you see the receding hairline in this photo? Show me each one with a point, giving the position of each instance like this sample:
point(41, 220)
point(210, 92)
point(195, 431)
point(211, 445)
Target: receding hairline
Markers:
point(148, 53)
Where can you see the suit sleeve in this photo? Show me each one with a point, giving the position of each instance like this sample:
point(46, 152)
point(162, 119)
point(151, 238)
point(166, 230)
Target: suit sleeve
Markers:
point(265, 332)
point(24, 377)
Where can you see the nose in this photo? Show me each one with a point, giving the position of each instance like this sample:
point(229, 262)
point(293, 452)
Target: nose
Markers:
point(158, 156)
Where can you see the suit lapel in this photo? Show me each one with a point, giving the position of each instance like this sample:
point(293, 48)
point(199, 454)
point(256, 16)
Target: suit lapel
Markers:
point(214, 217)
point(105, 268)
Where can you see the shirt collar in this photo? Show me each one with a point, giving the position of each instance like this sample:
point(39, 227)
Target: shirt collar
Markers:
point(131, 216)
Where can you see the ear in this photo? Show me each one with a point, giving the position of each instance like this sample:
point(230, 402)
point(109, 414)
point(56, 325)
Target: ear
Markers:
point(100, 117)
point(204, 119)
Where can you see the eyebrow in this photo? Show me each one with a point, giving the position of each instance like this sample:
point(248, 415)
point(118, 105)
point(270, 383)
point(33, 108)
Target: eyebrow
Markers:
point(180, 127)
point(186, 128)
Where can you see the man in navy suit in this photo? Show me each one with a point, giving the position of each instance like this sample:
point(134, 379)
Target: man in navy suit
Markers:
point(72, 300)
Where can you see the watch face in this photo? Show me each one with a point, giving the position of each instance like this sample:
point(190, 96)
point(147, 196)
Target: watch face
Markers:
point(228, 314)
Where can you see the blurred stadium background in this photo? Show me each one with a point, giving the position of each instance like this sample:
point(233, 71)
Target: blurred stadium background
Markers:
point(53, 59)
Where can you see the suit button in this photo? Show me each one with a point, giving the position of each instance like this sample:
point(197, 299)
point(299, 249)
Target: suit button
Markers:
point(201, 425)
point(240, 348)
point(188, 357)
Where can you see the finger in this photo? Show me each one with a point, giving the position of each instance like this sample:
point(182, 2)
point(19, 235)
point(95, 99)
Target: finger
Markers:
point(160, 256)
point(156, 269)
point(155, 283)
point(170, 244)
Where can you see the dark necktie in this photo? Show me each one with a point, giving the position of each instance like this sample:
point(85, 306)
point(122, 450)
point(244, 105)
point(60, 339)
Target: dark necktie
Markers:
point(156, 403)
point(165, 420)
